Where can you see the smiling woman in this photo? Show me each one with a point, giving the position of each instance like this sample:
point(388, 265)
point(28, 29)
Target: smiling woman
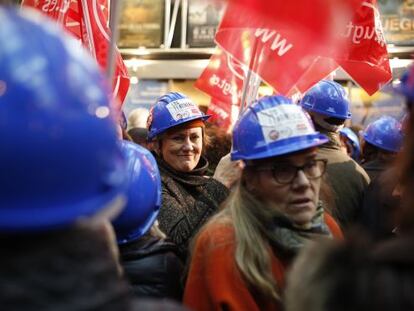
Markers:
point(182, 147)
point(189, 198)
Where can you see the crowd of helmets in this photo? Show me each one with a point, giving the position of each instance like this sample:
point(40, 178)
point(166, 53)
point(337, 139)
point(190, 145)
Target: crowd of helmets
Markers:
point(62, 162)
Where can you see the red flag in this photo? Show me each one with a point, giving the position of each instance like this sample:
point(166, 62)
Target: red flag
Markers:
point(88, 21)
point(222, 79)
point(280, 40)
point(319, 70)
point(367, 61)
point(221, 114)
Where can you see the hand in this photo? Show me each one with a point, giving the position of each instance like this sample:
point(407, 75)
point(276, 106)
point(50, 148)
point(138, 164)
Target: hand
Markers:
point(228, 172)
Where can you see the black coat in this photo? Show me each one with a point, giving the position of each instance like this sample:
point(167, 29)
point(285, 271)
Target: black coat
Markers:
point(153, 268)
point(379, 205)
point(347, 179)
point(375, 167)
point(188, 201)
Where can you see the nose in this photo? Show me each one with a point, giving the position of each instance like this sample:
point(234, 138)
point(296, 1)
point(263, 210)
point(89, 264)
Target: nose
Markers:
point(300, 180)
point(397, 192)
point(187, 145)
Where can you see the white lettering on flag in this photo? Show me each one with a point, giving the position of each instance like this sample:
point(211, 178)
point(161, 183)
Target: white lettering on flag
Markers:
point(279, 43)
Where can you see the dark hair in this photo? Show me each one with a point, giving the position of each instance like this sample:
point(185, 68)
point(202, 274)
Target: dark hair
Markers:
point(217, 145)
point(406, 170)
point(369, 276)
point(71, 269)
point(356, 274)
point(371, 152)
point(138, 135)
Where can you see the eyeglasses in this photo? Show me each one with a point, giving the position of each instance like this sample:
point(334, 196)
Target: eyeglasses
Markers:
point(285, 173)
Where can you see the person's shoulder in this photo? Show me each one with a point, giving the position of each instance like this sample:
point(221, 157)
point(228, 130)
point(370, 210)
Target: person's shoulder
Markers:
point(217, 233)
point(215, 243)
point(362, 172)
point(338, 161)
point(334, 155)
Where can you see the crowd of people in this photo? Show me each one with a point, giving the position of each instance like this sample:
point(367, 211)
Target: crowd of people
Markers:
point(290, 211)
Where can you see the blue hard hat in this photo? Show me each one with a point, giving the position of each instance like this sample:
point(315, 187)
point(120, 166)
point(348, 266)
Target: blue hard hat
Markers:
point(59, 159)
point(354, 141)
point(327, 98)
point(273, 126)
point(406, 86)
point(143, 194)
point(171, 110)
point(384, 133)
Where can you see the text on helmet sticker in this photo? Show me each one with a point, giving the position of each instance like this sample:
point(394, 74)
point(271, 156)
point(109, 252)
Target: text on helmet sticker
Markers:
point(183, 108)
point(284, 121)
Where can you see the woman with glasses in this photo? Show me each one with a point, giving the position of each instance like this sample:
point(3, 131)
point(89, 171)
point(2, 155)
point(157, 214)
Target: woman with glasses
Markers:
point(240, 256)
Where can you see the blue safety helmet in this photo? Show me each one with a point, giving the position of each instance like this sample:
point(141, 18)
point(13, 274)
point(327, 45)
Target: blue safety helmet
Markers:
point(143, 194)
point(384, 133)
point(171, 110)
point(273, 126)
point(353, 140)
point(406, 86)
point(59, 158)
point(327, 98)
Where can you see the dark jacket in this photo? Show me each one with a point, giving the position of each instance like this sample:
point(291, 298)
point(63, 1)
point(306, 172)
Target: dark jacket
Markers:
point(153, 268)
point(347, 179)
point(375, 167)
point(188, 201)
point(379, 205)
point(70, 269)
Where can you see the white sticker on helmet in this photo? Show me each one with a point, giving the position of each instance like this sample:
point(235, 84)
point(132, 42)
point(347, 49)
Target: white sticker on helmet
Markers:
point(284, 121)
point(183, 108)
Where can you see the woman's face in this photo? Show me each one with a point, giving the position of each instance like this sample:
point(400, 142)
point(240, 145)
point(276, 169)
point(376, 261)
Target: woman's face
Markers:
point(181, 149)
point(298, 199)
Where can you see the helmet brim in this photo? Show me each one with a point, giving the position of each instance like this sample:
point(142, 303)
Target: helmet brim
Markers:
point(283, 147)
point(37, 218)
point(153, 134)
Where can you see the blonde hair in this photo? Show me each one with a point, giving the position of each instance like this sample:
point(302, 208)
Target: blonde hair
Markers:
point(138, 118)
point(252, 252)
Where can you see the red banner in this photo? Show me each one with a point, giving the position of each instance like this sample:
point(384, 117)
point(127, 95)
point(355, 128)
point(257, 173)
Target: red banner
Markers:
point(221, 114)
point(367, 61)
point(222, 79)
point(88, 21)
point(292, 56)
point(366, 58)
point(280, 40)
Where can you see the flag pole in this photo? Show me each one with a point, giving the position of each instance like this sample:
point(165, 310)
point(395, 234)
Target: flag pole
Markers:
point(251, 83)
point(88, 26)
point(114, 14)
